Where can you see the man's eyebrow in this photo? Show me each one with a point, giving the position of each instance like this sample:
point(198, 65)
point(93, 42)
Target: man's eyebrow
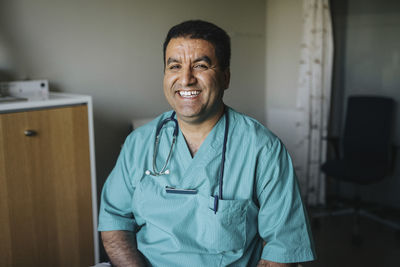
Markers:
point(203, 58)
point(172, 60)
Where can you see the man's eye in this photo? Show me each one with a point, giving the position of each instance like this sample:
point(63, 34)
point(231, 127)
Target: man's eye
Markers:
point(174, 67)
point(201, 66)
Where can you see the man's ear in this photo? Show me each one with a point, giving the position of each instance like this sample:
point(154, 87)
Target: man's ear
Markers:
point(227, 78)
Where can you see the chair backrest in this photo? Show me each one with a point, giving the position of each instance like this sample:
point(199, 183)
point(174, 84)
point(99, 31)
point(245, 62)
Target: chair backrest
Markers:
point(368, 129)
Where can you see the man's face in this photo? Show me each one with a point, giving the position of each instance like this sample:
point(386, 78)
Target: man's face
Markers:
point(193, 81)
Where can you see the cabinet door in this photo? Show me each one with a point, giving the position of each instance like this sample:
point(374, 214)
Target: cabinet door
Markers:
point(45, 192)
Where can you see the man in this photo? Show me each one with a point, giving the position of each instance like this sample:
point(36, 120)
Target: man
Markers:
point(226, 193)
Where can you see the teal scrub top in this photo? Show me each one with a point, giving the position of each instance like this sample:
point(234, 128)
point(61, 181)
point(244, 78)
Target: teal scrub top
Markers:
point(261, 198)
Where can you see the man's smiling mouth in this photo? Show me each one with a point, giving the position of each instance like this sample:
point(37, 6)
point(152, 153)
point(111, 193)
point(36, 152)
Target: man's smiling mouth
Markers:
point(189, 94)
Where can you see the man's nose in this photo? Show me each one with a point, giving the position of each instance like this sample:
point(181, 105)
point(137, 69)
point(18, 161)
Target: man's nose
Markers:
point(188, 77)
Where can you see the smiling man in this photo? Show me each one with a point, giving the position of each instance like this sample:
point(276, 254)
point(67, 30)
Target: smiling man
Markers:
point(226, 194)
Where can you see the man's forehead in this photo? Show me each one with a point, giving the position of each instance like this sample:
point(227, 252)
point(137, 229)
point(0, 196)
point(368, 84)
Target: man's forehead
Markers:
point(190, 44)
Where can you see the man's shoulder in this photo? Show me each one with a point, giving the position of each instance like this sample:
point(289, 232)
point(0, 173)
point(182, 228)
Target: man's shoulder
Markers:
point(147, 130)
point(250, 128)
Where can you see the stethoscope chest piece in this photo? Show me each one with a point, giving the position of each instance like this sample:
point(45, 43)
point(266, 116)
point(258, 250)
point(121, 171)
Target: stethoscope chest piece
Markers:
point(148, 172)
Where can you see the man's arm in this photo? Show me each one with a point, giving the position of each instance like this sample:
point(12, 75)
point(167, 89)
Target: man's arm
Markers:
point(265, 263)
point(121, 248)
point(282, 218)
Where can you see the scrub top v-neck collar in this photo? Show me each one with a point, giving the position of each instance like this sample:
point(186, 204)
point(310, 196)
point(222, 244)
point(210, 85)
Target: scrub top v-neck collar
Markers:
point(212, 145)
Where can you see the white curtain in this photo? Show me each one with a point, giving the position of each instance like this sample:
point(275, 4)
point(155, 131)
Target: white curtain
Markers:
point(313, 97)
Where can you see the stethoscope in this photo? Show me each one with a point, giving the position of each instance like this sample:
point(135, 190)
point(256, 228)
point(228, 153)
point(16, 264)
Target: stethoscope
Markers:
point(164, 170)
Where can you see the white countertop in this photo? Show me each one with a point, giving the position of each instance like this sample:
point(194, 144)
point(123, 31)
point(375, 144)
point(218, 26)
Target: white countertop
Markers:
point(55, 99)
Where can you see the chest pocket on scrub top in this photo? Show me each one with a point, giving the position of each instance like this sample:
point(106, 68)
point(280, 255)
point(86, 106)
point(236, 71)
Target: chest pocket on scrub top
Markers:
point(226, 229)
point(188, 222)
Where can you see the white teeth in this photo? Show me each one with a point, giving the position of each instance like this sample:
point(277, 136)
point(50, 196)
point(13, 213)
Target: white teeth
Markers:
point(189, 93)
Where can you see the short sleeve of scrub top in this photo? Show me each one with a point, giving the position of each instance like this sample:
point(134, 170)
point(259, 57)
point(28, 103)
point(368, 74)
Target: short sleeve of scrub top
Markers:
point(282, 219)
point(116, 209)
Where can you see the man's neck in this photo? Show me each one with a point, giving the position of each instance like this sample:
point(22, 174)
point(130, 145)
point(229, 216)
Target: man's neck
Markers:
point(196, 133)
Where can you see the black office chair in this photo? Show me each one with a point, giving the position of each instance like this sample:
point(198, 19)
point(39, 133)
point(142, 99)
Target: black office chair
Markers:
point(366, 154)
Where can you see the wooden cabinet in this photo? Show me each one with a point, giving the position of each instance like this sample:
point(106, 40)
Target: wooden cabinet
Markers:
point(46, 200)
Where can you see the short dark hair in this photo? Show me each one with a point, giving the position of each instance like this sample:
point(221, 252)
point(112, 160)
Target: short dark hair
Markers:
point(199, 29)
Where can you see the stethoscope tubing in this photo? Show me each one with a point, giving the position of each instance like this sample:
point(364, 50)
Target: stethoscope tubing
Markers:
point(157, 142)
point(221, 176)
point(171, 118)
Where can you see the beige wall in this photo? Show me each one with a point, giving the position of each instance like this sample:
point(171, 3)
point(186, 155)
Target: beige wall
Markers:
point(112, 51)
point(283, 37)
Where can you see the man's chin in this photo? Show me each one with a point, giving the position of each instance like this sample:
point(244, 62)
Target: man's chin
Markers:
point(188, 112)
point(188, 117)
